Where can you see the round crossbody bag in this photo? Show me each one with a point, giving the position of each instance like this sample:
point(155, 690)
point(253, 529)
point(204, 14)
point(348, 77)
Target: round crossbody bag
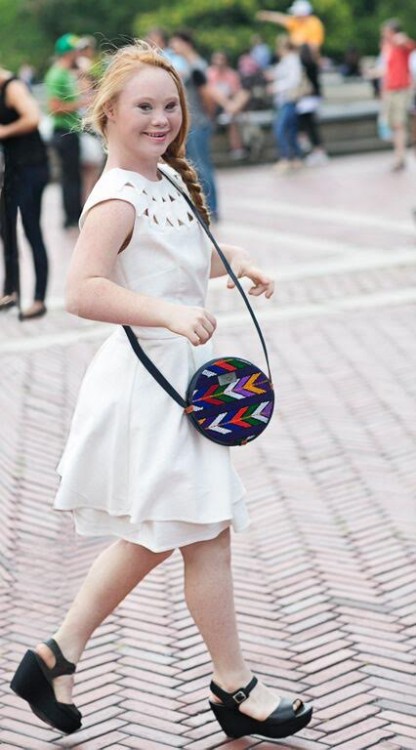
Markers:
point(229, 400)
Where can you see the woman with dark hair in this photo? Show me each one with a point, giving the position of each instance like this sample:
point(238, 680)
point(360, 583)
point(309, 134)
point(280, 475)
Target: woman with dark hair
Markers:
point(202, 103)
point(25, 178)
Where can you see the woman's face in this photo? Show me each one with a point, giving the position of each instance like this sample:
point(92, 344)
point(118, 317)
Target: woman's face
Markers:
point(146, 116)
point(219, 60)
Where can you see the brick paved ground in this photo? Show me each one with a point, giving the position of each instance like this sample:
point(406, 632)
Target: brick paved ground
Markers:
point(325, 578)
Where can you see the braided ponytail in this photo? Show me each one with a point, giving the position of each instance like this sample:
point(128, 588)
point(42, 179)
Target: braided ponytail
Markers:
point(190, 178)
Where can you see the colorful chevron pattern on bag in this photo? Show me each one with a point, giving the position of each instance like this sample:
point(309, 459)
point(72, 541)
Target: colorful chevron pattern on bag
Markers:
point(230, 400)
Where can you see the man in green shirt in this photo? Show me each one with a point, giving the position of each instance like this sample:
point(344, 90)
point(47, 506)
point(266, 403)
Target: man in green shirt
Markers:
point(64, 103)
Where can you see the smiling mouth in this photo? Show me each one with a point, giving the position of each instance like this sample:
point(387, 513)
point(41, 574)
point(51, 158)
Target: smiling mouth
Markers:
point(157, 136)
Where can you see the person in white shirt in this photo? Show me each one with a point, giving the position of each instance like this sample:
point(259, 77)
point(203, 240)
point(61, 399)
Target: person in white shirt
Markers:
point(286, 82)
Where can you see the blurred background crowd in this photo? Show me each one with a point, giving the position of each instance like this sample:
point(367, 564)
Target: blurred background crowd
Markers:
point(260, 79)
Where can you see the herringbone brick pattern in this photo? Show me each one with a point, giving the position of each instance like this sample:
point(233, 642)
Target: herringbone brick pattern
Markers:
point(325, 584)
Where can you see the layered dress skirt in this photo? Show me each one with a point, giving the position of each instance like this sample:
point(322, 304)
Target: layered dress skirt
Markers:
point(134, 467)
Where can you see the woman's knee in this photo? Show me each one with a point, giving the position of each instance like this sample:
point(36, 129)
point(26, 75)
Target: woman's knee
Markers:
point(217, 549)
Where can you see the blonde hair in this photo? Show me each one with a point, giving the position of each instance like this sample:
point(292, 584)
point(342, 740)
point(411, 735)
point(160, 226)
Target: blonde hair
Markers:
point(126, 61)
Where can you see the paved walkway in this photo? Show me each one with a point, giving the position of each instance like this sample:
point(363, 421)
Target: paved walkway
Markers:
point(325, 578)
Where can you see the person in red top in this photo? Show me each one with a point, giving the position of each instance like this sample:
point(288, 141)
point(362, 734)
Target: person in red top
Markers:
point(396, 48)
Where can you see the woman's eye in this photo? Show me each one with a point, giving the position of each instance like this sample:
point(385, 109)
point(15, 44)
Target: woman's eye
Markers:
point(171, 106)
point(145, 107)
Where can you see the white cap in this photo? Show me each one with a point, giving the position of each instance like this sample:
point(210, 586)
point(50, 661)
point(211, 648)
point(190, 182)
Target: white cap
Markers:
point(300, 8)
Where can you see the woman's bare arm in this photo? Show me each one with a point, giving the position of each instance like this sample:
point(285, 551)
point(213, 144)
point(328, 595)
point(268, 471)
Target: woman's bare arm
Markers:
point(243, 267)
point(91, 292)
point(19, 98)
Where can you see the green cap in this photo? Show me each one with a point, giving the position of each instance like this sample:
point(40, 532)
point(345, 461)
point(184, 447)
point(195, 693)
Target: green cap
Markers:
point(66, 43)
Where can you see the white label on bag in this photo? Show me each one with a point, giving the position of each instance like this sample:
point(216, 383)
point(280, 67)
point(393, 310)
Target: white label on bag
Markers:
point(227, 377)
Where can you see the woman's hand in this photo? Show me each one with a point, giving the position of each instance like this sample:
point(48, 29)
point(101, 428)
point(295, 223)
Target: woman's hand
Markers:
point(242, 266)
point(262, 283)
point(196, 323)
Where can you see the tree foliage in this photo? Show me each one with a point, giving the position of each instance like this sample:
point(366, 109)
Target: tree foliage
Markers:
point(230, 24)
point(29, 27)
point(21, 40)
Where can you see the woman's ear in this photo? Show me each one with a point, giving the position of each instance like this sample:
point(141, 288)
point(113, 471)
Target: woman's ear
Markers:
point(109, 108)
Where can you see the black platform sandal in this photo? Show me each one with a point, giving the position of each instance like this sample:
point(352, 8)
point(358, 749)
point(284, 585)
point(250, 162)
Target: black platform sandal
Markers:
point(288, 718)
point(33, 683)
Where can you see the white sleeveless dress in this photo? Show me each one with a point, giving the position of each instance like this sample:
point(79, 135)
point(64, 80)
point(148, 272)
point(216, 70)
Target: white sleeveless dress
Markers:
point(134, 467)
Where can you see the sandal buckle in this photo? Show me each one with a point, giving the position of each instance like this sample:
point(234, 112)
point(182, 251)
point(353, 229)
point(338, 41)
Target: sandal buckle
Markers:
point(240, 696)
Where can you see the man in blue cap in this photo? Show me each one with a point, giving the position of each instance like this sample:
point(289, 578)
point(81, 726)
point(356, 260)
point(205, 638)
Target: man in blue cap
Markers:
point(64, 103)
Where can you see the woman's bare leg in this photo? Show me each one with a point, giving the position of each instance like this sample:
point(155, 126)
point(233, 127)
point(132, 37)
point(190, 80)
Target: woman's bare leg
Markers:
point(399, 145)
point(112, 576)
point(210, 599)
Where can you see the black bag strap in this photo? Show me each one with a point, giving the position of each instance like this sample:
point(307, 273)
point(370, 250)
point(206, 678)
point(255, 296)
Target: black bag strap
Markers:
point(139, 351)
point(226, 265)
point(151, 367)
